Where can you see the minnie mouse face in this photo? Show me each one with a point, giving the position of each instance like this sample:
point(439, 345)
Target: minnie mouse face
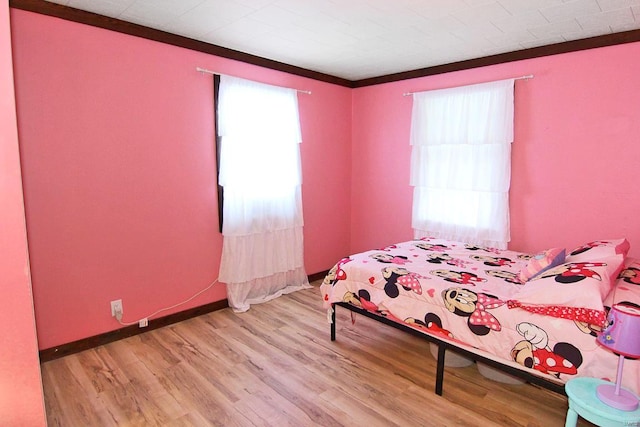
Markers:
point(398, 276)
point(474, 307)
point(585, 248)
point(522, 353)
point(446, 274)
point(630, 275)
point(351, 298)
point(573, 272)
point(399, 271)
point(506, 275)
point(432, 323)
point(460, 277)
point(330, 278)
point(500, 273)
point(438, 258)
point(430, 247)
point(588, 328)
point(386, 258)
point(492, 261)
point(336, 273)
point(460, 301)
point(483, 258)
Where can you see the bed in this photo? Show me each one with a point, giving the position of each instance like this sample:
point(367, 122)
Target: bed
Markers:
point(535, 316)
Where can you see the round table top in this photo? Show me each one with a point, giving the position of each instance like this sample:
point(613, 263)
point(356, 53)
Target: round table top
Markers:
point(582, 392)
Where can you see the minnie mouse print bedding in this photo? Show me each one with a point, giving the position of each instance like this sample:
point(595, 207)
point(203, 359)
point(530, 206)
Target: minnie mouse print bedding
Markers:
point(537, 312)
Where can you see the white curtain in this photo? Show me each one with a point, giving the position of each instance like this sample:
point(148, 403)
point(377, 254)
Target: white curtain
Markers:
point(262, 252)
point(461, 163)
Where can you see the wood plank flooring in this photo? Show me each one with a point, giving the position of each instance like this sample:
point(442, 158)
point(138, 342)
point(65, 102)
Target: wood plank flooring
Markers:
point(276, 366)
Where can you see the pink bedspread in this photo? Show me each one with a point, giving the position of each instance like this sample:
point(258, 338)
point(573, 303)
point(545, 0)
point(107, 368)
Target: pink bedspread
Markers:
point(472, 296)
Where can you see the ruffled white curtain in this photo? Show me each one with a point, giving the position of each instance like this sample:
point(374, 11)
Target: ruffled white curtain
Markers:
point(262, 251)
point(461, 163)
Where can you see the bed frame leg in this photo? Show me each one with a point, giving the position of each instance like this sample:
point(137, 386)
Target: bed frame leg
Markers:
point(440, 369)
point(333, 322)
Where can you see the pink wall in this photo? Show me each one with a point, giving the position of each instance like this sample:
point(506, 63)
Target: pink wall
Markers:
point(116, 145)
point(119, 172)
point(576, 154)
point(21, 400)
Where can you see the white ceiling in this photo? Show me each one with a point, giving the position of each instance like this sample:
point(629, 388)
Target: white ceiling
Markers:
point(358, 39)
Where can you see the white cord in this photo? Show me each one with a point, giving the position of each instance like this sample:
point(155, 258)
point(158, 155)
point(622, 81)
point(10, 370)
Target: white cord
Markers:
point(137, 322)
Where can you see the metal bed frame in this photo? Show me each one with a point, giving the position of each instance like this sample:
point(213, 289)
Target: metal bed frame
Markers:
point(443, 346)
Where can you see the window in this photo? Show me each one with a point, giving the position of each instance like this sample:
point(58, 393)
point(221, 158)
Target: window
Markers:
point(461, 163)
point(259, 169)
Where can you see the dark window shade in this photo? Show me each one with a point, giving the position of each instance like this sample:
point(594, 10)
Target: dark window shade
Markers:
point(216, 91)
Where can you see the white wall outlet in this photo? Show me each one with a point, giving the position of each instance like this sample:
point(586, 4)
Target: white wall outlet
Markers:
point(143, 323)
point(116, 309)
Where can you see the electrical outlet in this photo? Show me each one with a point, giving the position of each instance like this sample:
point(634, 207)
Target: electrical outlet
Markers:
point(143, 323)
point(116, 309)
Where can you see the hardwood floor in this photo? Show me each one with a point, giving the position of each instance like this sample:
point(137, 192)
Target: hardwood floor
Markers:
point(276, 366)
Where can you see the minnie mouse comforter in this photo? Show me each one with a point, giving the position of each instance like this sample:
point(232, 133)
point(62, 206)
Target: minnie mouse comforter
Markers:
point(476, 298)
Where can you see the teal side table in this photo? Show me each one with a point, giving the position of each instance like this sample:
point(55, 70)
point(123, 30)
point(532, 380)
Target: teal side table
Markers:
point(584, 402)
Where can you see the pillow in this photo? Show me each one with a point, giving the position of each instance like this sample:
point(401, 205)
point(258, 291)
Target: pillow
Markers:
point(627, 284)
point(603, 270)
point(541, 262)
point(572, 284)
point(599, 249)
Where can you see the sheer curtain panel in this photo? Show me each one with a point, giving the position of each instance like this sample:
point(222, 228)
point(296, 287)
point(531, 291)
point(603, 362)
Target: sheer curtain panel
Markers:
point(461, 163)
point(262, 251)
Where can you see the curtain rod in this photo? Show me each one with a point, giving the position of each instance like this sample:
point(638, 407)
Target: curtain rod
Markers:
point(527, 77)
point(204, 70)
